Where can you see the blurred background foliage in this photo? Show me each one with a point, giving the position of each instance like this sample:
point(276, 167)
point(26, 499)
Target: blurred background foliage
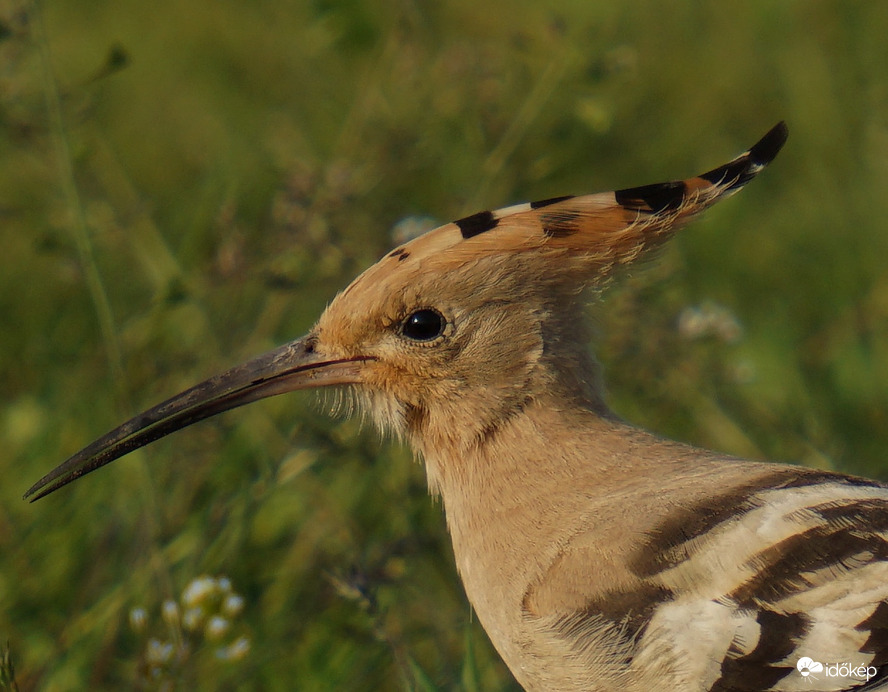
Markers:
point(185, 185)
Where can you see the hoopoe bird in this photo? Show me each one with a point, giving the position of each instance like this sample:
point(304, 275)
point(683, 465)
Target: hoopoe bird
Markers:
point(596, 555)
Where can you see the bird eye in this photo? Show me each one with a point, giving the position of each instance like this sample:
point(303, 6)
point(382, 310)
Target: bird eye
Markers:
point(423, 325)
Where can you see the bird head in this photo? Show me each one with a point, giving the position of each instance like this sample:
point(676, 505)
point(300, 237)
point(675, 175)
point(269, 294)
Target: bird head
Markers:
point(453, 333)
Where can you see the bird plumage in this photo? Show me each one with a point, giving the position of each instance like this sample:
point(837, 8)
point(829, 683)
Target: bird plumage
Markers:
point(596, 555)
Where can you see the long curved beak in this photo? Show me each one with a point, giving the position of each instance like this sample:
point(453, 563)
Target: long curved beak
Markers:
point(290, 367)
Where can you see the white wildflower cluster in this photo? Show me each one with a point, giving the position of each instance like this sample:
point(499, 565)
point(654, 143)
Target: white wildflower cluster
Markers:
point(203, 617)
point(709, 320)
point(235, 651)
point(412, 227)
point(209, 606)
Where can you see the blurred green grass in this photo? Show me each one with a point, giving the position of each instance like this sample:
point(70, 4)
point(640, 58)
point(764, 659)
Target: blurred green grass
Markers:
point(215, 171)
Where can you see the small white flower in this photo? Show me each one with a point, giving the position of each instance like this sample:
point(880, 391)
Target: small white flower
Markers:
point(198, 591)
point(193, 618)
point(217, 627)
point(170, 612)
point(232, 605)
point(235, 651)
point(224, 584)
point(709, 320)
point(137, 619)
point(412, 227)
point(158, 652)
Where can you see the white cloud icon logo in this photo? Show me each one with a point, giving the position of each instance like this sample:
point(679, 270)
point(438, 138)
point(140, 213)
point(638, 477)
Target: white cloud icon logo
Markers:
point(806, 666)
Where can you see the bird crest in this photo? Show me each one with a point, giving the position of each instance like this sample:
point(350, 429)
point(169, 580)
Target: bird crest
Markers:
point(598, 232)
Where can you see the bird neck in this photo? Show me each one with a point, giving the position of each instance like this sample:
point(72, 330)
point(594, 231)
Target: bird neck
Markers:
point(513, 499)
point(533, 457)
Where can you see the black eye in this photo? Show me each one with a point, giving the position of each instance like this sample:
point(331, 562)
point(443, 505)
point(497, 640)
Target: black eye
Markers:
point(423, 325)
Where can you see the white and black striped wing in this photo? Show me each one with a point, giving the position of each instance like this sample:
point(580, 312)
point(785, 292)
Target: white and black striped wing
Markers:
point(734, 592)
point(797, 570)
